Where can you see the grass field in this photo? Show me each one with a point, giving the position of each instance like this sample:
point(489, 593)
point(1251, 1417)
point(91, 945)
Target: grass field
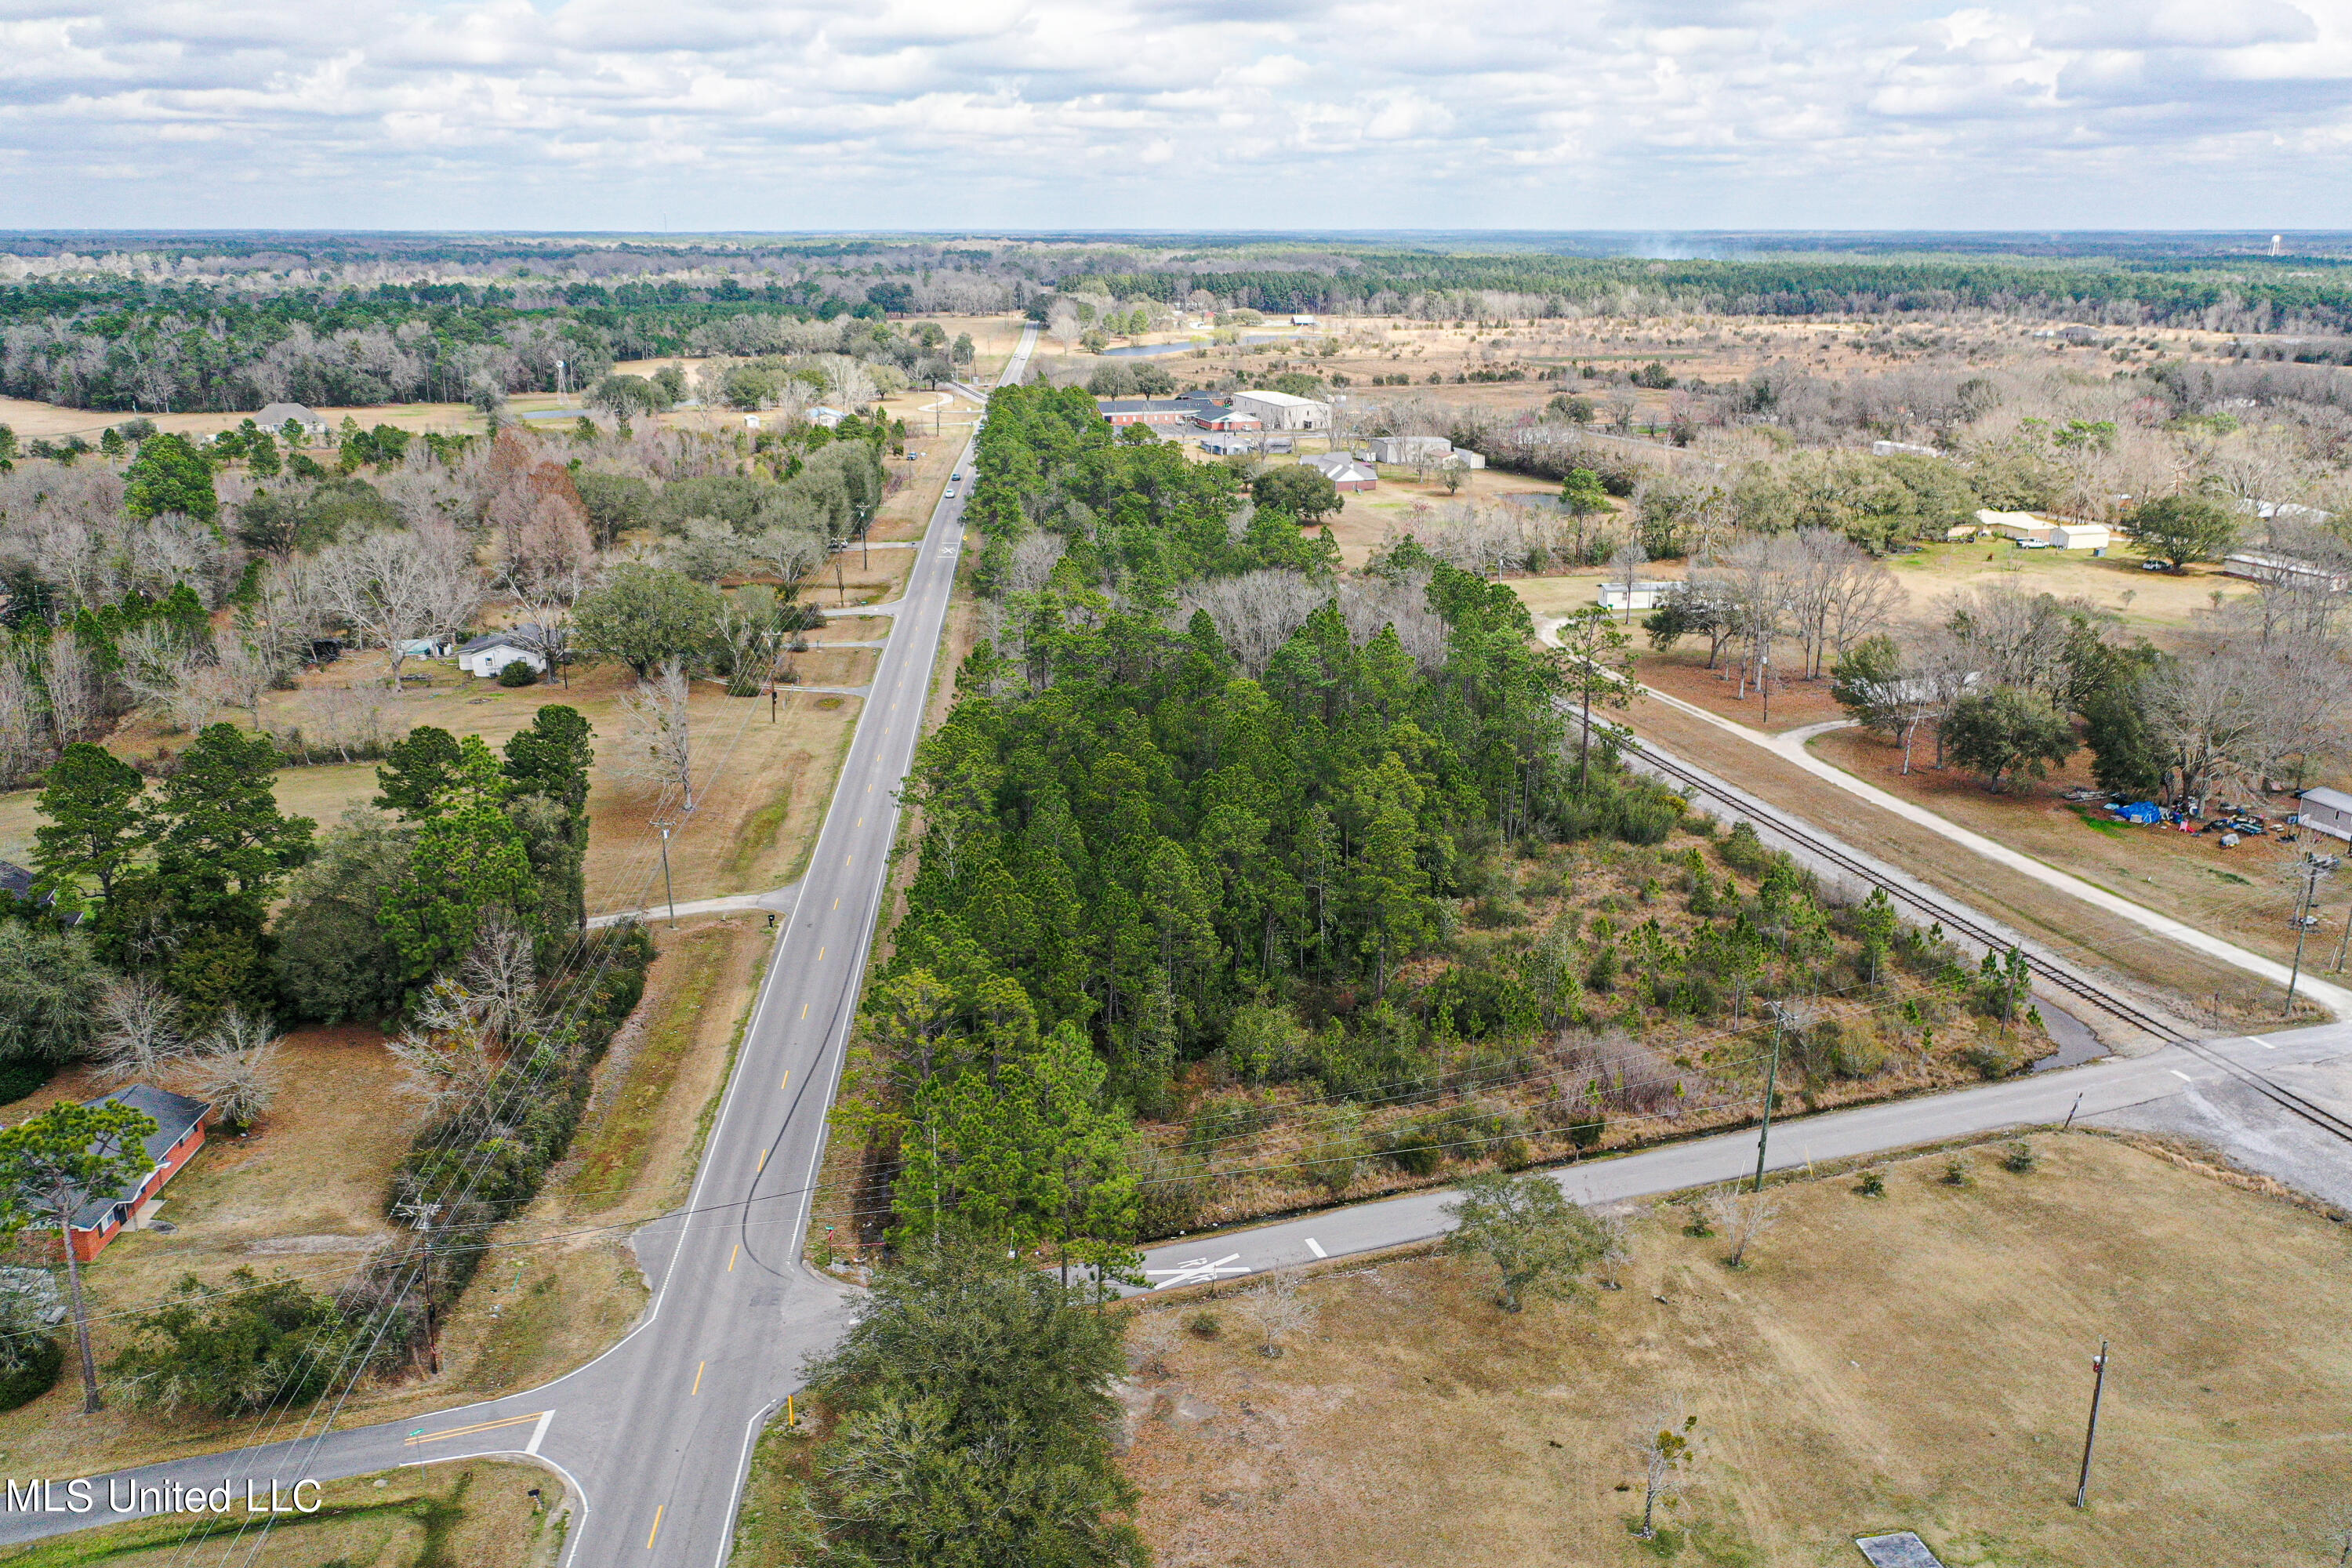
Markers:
point(479, 1513)
point(1919, 1361)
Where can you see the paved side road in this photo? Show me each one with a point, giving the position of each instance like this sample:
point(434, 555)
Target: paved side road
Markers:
point(2126, 1091)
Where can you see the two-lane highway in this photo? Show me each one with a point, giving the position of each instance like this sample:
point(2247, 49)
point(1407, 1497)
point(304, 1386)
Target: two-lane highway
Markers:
point(656, 1434)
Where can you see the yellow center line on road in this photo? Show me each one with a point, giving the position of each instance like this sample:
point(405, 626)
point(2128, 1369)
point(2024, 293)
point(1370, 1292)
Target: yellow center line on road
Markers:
point(804, 1007)
point(764, 1159)
point(788, 1078)
point(417, 1438)
point(733, 1256)
point(697, 1390)
point(656, 1528)
point(820, 956)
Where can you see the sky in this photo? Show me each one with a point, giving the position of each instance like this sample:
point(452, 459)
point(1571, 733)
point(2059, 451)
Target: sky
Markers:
point(692, 116)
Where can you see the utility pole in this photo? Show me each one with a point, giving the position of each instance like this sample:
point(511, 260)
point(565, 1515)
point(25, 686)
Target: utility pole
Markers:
point(668, 892)
point(2341, 941)
point(2311, 871)
point(2091, 1436)
point(422, 1215)
point(1772, 1081)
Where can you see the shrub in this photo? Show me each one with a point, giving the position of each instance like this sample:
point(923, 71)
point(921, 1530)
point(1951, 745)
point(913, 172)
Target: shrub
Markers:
point(1872, 1185)
point(34, 1374)
point(1204, 1326)
point(1601, 973)
point(1956, 1172)
point(1415, 1148)
point(1991, 1058)
point(2019, 1158)
point(1225, 1119)
point(232, 1354)
point(1743, 851)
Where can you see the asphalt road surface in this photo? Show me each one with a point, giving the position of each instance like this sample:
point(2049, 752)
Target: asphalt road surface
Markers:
point(2121, 1090)
point(655, 1435)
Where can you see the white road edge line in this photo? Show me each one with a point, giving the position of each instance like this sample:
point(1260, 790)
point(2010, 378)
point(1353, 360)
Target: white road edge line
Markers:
point(2262, 1042)
point(2181, 1075)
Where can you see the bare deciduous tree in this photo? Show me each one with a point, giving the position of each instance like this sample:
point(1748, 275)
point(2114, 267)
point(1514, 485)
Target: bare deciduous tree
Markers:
point(76, 694)
point(24, 735)
point(237, 1067)
point(141, 1031)
point(447, 1057)
point(657, 734)
point(1742, 1215)
point(396, 587)
point(1664, 1445)
point(1257, 612)
point(1274, 1305)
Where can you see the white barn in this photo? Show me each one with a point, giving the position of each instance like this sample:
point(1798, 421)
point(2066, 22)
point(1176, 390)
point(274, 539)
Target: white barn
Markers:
point(1281, 411)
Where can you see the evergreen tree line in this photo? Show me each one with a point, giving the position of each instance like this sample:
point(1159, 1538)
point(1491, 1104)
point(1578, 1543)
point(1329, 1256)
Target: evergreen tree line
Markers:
point(1132, 840)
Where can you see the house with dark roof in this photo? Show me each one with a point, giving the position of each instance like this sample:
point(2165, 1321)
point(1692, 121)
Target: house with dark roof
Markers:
point(1218, 418)
point(491, 652)
point(179, 1133)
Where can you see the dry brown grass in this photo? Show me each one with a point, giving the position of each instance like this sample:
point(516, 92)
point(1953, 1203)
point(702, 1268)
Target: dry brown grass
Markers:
point(477, 1512)
point(1915, 1361)
point(2246, 894)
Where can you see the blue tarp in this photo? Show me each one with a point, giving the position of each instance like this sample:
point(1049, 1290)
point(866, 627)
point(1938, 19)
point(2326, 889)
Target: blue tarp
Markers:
point(2144, 811)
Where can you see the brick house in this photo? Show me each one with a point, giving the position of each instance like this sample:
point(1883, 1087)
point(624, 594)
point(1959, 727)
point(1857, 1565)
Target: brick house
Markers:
point(179, 1133)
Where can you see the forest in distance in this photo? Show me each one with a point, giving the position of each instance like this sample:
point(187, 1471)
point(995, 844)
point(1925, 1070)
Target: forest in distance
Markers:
point(226, 323)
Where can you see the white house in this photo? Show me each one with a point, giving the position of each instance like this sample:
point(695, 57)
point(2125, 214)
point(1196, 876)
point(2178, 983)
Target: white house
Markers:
point(273, 419)
point(1302, 320)
point(1648, 593)
point(1902, 449)
point(1227, 446)
point(2081, 536)
point(2330, 811)
point(1464, 458)
point(2018, 525)
point(828, 417)
point(2263, 567)
point(1411, 450)
point(1343, 470)
point(491, 652)
point(1281, 411)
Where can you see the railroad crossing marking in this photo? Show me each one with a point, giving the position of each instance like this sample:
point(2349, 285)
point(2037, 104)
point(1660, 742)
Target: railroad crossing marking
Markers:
point(1198, 1271)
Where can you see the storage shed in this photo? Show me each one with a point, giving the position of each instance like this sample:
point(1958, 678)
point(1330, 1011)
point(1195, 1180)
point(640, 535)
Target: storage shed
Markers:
point(2328, 811)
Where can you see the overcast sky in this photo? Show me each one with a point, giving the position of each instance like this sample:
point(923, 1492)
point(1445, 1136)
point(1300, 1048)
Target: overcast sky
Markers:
point(688, 114)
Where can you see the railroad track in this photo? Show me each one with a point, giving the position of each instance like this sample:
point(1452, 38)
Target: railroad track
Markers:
point(1953, 918)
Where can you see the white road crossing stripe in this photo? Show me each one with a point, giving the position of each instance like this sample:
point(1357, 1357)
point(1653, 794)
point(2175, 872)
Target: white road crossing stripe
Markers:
point(2181, 1075)
point(2262, 1042)
point(539, 1431)
point(1315, 1247)
point(1198, 1271)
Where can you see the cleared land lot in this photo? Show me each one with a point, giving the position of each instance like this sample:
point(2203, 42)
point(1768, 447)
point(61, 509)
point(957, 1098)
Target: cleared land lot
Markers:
point(1919, 1361)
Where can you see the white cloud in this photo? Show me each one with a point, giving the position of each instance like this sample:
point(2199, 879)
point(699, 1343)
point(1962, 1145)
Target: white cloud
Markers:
point(1052, 114)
